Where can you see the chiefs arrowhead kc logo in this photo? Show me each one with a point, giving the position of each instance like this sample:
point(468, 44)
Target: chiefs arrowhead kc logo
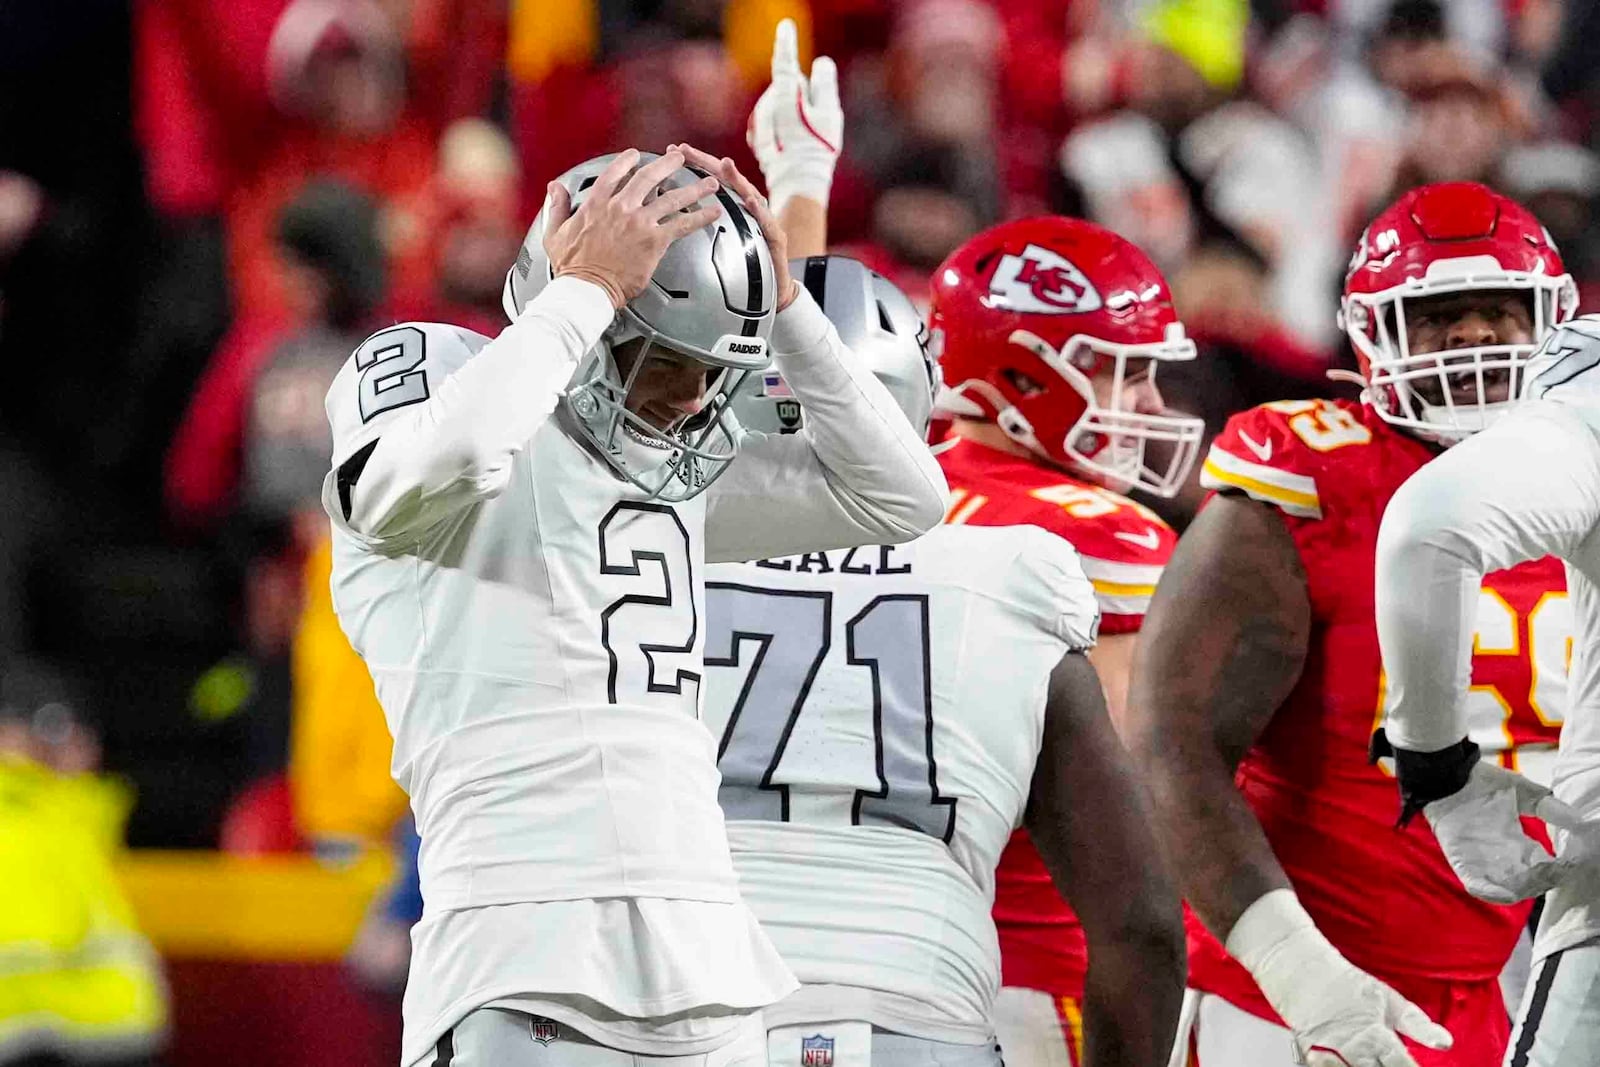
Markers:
point(1041, 282)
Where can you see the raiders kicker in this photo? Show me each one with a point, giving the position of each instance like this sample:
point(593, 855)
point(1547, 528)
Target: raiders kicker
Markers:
point(521, 526)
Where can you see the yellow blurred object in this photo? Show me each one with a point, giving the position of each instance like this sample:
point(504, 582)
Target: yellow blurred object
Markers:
point(546, 34)
point(339, 746)
point(74, 968)
point(748, 27)
point(1209, 34)
point(222, 691)
point(201, 905)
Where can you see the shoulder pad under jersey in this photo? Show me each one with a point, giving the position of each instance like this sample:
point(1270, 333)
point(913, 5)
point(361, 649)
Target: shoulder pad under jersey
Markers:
point(389, 372)
point(1034, 572)
point(1275, 453)
point(1122, 545)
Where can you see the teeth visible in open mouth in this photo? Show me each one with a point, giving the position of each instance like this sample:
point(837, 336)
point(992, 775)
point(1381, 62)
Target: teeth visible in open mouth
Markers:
point(645, 439)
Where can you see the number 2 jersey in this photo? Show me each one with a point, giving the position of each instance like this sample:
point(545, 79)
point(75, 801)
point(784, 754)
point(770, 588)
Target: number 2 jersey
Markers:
point(1123, 547)
point(534, 628)
point(880, 713)
point(1386, 898)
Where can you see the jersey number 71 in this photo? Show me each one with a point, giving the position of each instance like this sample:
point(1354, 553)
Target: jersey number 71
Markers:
point(784, 637)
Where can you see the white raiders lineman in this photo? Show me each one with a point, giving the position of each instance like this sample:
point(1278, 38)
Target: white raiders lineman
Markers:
point(887, 717)
point(520, 527)
point(1527, 487)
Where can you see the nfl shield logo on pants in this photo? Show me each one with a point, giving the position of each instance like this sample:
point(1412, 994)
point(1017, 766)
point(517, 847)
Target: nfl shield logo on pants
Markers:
point(816, 1051)
point(545, 1030)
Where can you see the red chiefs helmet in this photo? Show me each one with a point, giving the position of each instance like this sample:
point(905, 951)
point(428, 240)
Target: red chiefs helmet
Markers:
point(1028, 313)
point(1449, 237)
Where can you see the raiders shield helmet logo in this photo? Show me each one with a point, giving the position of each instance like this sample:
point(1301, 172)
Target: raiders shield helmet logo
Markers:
point(1040, 282)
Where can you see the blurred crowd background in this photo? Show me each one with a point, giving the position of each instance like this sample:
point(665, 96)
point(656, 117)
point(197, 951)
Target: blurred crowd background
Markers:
point(205, 204)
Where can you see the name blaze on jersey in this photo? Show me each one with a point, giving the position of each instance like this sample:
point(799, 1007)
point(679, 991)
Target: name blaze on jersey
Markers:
point(880, 714)
point(1386, 898)
point(1122, 547)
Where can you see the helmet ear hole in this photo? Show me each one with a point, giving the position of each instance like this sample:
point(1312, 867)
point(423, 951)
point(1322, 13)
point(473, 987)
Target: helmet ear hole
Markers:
point(1015, 424)
point(1026, 386)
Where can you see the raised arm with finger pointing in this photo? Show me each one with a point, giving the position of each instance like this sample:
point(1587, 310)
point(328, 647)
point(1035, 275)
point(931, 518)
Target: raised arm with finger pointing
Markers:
point(797, 132)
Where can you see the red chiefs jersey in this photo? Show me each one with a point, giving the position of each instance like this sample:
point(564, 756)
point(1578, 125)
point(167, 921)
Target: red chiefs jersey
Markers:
point(1385, 897)
point(1123, 547)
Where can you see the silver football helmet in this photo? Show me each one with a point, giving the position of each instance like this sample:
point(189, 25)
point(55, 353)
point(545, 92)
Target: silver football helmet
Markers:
point(712, 299)
point(876, 321)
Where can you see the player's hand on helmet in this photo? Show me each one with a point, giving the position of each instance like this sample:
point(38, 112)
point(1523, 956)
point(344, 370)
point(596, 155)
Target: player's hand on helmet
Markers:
point(797, 127)
point(1339, 1015)
point(760, 210)
point(1479, 829)
point(617, 236)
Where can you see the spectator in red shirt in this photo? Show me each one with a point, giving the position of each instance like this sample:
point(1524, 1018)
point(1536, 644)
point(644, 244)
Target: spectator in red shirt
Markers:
point(331, 270)
point(238, 100)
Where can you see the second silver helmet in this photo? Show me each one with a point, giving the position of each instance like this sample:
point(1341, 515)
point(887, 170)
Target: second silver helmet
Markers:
point(876, 321)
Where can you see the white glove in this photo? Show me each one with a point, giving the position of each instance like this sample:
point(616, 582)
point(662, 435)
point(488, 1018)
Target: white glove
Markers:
point(797, 128)
point(1340, 1016)
point(1479, 829)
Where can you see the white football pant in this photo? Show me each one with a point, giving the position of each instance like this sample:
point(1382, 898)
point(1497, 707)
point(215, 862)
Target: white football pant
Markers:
point(1559, 1024)
point(1226, 1036)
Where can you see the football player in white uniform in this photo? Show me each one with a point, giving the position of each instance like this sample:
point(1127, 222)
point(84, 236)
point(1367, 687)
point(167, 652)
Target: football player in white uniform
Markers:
point(887, 717)
point(520, 531)
point(1527, 487)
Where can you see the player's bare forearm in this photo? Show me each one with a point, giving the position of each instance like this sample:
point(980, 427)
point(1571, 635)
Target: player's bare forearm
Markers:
point(805, 222)
point(1222, 646)
point(1090, 820)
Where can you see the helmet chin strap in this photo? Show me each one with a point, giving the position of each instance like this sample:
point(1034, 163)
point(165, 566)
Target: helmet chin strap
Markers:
point(1013, 423)
point(1446, 434)
point(1017, 427)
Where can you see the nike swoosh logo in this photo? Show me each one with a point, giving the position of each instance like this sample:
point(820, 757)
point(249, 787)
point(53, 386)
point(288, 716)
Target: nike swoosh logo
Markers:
point(1150, 540)
point(1263, 451)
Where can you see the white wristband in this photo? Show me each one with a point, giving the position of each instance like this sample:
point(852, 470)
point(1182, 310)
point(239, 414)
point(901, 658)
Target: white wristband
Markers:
point(1279, 945)
point(1273, 918)
point(814, 182)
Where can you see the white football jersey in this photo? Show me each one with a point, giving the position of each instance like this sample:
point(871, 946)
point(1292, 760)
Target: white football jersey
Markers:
point(507, 645)
point(534, 629)
point(879, 714)
point(1526, 487)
